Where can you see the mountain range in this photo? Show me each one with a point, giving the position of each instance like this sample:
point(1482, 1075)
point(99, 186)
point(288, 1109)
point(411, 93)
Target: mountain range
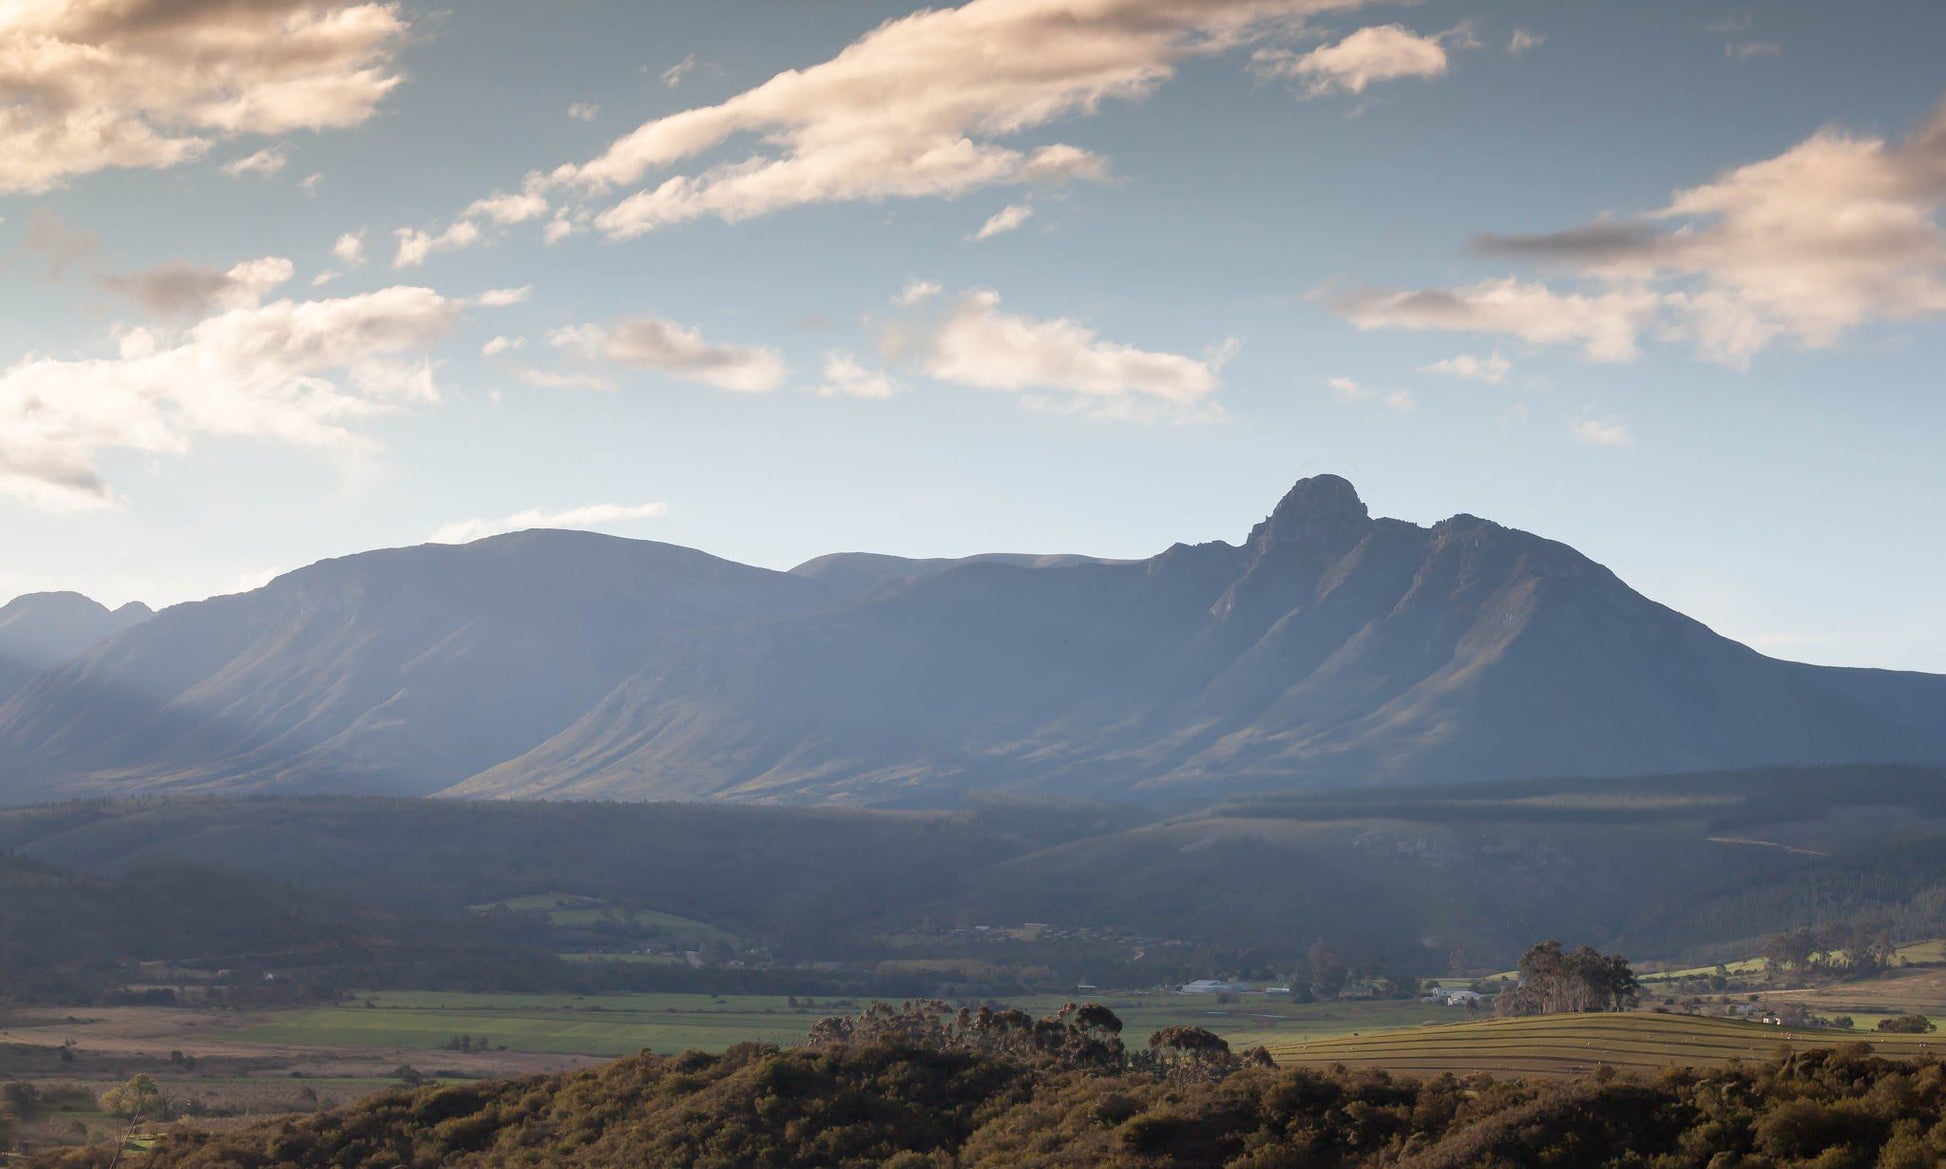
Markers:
point(1329, 648)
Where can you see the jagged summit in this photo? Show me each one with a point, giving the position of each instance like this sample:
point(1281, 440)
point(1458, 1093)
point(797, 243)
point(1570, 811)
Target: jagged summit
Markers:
point(1321, 510)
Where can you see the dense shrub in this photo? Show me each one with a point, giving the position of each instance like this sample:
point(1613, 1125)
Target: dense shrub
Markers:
point(938, 1099)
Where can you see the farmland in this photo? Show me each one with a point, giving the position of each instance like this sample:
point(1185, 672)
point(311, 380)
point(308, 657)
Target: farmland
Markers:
point(1568, 1044)
point(610, 1025)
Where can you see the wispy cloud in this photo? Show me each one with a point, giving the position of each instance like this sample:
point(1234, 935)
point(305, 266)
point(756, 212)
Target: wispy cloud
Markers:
point(969, 341)
point(182, 290)
point(264, 163)
point(1347, 390)
point(1605, 324)
point(596, 515)
point(1006, 219)
point(1492, 369)
point(846, 377)
point(1381, 53)
point(1608, 432)
point(919, 107)
point(666, 347)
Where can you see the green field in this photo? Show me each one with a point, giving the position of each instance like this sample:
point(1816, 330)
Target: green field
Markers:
point(573, 909)
point(1567, 1044)
point(610, 1025)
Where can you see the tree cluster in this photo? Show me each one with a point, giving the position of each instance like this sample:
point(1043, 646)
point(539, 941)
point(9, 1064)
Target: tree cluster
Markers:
point(1554, 982)
point(1846, 948)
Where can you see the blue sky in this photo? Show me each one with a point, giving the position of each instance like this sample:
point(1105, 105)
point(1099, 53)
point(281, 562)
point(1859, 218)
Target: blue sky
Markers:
point(1664, 281)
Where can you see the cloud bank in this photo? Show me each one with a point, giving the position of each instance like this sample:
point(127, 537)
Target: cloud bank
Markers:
point(304, 373)
point(1838, 232)
point(88, 85)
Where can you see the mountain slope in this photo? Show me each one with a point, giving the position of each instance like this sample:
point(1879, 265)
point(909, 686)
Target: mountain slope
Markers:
point(43, 630)
point(400, 671)
point(1330, 648)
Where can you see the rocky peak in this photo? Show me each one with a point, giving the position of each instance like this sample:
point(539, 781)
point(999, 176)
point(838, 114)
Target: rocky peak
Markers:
point(1323, 511)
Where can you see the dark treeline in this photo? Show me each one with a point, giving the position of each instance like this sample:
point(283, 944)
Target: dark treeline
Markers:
point(340, 892)
point(919, 1087)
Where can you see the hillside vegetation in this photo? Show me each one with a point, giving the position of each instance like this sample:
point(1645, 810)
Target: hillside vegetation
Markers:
point(1697, 867)
point(913, 1101)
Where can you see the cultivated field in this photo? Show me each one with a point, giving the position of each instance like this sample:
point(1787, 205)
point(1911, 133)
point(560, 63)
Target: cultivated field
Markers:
point(1568, 1044)
point(610, 1025)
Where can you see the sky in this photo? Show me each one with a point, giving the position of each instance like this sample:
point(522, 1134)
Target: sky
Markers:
point(1665, 281)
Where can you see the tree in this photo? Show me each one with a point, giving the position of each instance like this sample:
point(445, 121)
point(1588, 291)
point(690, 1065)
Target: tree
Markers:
point(1908, 1025)
point(1328, 970)
point(140, 1098)
point(1191, 1053)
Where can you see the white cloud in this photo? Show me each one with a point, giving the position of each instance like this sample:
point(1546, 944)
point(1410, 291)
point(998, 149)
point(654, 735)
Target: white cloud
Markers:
point(1346, 390)
point(501, 345)
point(1492, 370)
point(185, 291)
point(507, 209)
point(918, 106)
point(350, 248)
point(582, 111)
point(503, 297)
point(598, 515)
point(548, 379)
point(652, 343)
point(1005, 220)
point(263, 163)
point(673, 76)
point(1605, 325)
point(846, 377)
point(1380, 53)
point(1833, 233)
point(298, 372)
point(98, 84)
point(311, 183)
point(1752, 50)
point(1524, 41)
point(415, 246)
point(916, 292)
point(970, 342)
point(1609, 432)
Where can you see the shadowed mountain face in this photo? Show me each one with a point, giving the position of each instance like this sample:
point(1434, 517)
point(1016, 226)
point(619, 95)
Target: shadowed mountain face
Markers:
point(43, 630)
point(1329, 648)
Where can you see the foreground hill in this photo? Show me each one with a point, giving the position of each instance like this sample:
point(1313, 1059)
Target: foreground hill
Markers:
point(907, 1104)
point(1329, 648)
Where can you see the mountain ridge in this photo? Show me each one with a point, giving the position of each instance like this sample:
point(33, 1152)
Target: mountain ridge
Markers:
point(1329, 648)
